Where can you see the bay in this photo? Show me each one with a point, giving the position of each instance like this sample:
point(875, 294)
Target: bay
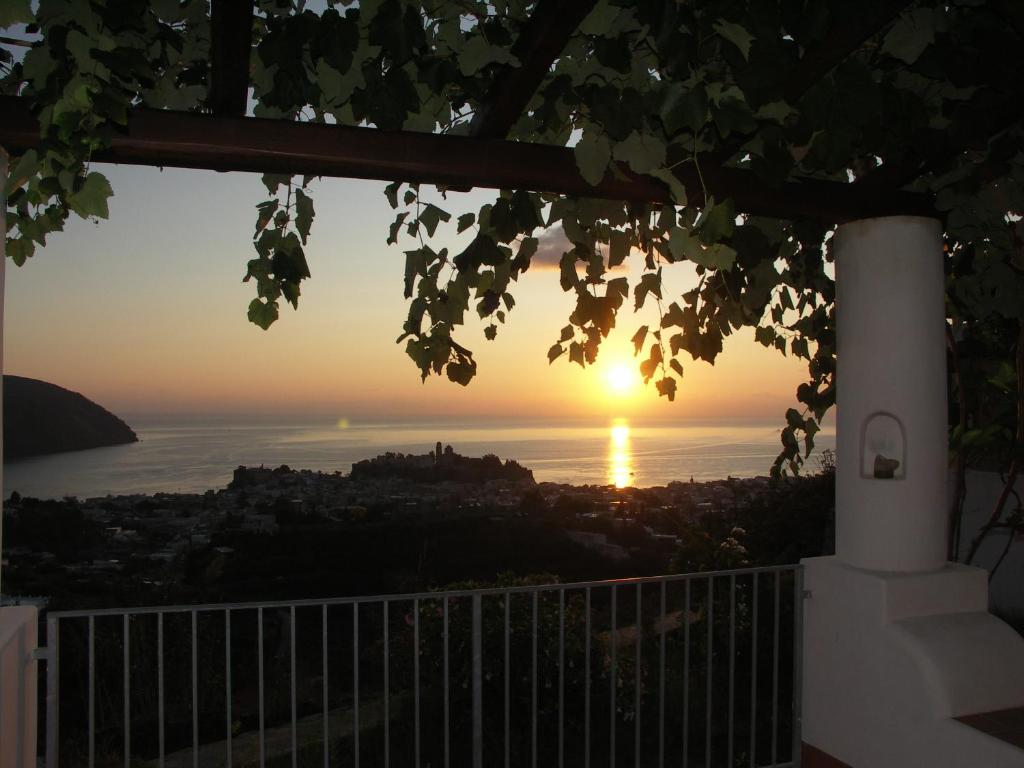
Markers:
point(195, 454)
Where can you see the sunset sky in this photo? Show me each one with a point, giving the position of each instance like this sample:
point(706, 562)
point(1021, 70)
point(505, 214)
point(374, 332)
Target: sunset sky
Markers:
point(145, 313)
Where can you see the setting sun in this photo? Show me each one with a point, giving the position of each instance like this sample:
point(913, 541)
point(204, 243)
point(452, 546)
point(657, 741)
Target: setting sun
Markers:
point(622, 378)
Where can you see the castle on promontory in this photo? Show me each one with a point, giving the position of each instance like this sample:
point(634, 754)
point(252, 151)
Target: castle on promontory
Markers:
point(440, 466)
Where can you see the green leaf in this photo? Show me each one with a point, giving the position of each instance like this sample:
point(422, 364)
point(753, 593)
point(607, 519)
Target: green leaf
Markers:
point(461, 372)
point(675, 186)
point(396, 225)
point(22, 171)
point(266, 210)
point(618, 247)
point(717, 221)
point(736, 35)
point(555, 352)
point(466, 221)
point(639, 338)
point(491, 331)
point(263, 314)
point(599, 22)
point(667, 387)
point(765, 334)
point(431, 215)
point(909, 36)
point(477, 53)
point(683, 107)
point(576, 354)
point(682, 245)
point(642, 152)
point(779, 111)
point(91, 198)
point(415, 265)
point(649, 283)
point(717, 256)
point(391, 192)
point(592, 152)
point(303, 214)
point(794, 419)
point(274, 180)
point(15, 12)
point(618, 287)
point(20, 249)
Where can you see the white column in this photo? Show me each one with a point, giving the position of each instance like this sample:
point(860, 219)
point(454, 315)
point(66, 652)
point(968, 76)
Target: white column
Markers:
point(891, 397)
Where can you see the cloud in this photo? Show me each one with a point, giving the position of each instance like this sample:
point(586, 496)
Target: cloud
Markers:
point(552, 244)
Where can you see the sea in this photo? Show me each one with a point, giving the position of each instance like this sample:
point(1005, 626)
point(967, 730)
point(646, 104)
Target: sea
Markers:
point(193, 455)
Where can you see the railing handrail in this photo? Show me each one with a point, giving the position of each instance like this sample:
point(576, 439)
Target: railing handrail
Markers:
point(409, 596)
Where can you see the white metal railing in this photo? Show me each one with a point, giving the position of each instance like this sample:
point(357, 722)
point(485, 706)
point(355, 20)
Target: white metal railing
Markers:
point(693, 670)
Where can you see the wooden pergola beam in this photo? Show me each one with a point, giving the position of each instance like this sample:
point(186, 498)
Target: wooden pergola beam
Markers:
point(540, 41)
point(230, 48)
point(191, 140)
point(838, 45)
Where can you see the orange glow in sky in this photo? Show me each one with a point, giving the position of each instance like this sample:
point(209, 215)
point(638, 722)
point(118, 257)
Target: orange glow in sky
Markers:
point(145, 313)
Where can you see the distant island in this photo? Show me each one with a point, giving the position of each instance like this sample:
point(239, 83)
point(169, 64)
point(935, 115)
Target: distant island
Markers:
point(41, 418)
point(440, 465)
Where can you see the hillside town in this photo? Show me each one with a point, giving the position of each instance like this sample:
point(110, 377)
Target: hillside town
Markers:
point(142, 542)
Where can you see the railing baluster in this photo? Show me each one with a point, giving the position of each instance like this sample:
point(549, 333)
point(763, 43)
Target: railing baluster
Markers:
point(478, 684)
point(613, 678)
point(710, 615)
point(324, 671)
point(508, 675)
point(561, 678)
point(715, 732)
point(775, 674)
point(661, 680)
point(355, 681)
point(586, 684)
point(732, 662)
point(447, 732)
point(639, 667)
point(753, 675)
point(798, 652)
point(52, 692)
point(127, 695)
point(160, 685)
point(92, 691)
point(416, 678)
point(195, 690)
point(295, 724)
point(259, 634)
point(686, 674)
point(533, 688)
point(227, 685)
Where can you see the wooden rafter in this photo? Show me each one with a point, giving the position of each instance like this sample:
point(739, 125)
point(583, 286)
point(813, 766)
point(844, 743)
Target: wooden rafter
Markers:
point(190, 140)
point(230, 48)
point(541, 40)
point(838, 45)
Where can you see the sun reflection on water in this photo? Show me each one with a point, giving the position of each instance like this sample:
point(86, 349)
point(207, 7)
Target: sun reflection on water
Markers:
point(620, 456)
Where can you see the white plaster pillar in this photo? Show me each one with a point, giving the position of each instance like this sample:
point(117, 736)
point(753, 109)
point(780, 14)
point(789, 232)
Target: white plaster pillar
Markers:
point(891, 379)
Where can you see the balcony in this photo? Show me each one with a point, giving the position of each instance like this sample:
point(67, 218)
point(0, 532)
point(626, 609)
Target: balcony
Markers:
point(695, 669)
